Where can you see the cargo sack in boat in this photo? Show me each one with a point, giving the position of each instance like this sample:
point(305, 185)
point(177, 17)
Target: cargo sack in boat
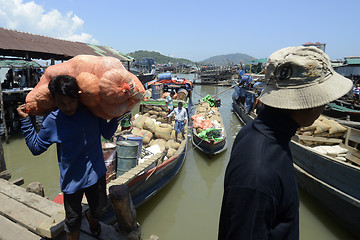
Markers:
point(163, 131)
point(201, 110)
point(321, 127)
point(153, 112)
point(172, 144)
point(335, 127)
point(206, 124)
point(136, 131)
point(153, 116)
point(158, 109)
point(146, 135)
point(215, 118)
point(149, 124)
point(107, 88)
point(160, 142)
point(163, 114)
point(170, 152)
point(205, 105)
point(139, 121)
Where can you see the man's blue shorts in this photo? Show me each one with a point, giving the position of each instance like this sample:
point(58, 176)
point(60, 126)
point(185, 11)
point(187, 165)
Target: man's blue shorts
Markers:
point(179, 126)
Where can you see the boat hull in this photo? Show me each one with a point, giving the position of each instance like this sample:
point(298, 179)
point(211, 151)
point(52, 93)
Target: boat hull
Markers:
point(141, 188)
point(209, 148)
point(341, 207)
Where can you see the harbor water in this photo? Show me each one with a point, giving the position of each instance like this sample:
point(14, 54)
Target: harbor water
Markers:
point(189, 206)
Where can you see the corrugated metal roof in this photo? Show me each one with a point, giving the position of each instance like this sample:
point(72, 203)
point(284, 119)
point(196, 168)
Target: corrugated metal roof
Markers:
point(21, 44)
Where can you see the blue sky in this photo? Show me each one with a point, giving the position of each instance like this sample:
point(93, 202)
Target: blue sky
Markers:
point(192, 29)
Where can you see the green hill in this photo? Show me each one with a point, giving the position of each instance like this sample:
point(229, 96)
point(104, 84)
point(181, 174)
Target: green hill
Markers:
point(228, 59)
point(159, 58)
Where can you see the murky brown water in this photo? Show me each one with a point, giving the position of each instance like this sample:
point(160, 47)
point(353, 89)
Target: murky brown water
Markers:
point(189, 206)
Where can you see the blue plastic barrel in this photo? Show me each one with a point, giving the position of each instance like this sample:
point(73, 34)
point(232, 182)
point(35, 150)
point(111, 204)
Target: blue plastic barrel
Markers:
point(164, 76)
point(156, 90)
point(127, 154)
point(135, 138)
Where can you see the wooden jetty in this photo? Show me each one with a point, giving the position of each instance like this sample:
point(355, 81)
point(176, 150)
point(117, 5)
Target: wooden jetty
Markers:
point(25, 215)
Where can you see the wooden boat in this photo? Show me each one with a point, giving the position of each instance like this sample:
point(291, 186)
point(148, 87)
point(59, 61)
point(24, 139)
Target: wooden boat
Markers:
point(154, 173)
point(213, 140)
point(332, 182)
point(341, 111)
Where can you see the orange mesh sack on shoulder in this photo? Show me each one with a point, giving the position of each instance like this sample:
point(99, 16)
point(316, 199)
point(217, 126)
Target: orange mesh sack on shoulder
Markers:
point(107, 88)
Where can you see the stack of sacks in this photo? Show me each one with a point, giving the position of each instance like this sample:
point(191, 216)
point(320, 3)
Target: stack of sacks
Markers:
point(334, 151)
point(154, 134)
point(322, 127)
point(159, 113)
point(206, 117)
point(107, 88)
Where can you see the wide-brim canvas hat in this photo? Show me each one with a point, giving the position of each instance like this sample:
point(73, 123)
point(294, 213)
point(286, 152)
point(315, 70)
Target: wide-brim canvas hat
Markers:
point(301, 78)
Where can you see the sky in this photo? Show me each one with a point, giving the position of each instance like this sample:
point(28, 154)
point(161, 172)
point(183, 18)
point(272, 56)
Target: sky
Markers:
point(192, 29)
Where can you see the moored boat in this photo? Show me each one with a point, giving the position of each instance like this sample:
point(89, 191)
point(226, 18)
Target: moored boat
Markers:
point(208, 132)
point(330, 175)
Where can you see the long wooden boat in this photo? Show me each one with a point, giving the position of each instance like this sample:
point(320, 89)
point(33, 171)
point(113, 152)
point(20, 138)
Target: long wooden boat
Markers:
point(341, 111)
point(209, 145)
point(332, 182)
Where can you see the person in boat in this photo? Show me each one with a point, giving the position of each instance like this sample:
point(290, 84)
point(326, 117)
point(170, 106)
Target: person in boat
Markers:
point(169, 102)
point(77, 134)
point(258, 105)
point(125, 123)
point(180, 119)
point(261, 199)
point(356, 91)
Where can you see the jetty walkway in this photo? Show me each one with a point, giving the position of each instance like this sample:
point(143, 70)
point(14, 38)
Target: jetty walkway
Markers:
point(25, 215)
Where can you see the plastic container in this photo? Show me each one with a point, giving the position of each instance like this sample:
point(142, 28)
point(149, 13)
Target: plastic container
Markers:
point(164, 76)
point(127, 153)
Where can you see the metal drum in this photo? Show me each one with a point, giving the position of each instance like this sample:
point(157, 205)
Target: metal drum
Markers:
point(135, 138)
point(157, 90)
point(127, 154)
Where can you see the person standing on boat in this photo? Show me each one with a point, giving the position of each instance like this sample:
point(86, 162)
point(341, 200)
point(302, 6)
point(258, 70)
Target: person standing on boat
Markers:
point(77, 133)
point(126, 122)
point(169, 102)
point(356, 91)
point(180, 119)
point(261, 199)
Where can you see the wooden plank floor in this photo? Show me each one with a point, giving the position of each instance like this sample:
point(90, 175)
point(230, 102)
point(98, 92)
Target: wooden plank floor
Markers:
point(25, 215)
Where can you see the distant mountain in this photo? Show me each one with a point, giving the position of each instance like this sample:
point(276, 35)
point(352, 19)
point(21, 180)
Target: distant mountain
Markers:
point(219, 60)
point(228, 59)
point(159, 58)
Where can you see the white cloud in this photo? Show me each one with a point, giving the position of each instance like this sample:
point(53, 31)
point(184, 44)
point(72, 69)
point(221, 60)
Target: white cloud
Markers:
point(31, 17)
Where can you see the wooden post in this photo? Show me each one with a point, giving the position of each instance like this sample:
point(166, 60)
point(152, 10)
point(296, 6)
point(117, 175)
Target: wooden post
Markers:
point(36, 188)
point(2, 159)
point(124, 211)
point(3, 115)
